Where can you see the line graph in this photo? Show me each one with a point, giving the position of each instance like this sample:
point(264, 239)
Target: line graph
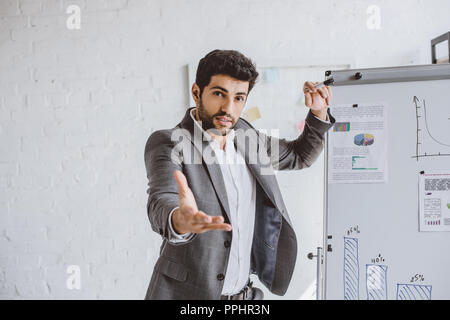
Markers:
point(421, 116)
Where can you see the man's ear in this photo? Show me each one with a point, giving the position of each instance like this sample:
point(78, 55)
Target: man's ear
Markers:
point(196, 93)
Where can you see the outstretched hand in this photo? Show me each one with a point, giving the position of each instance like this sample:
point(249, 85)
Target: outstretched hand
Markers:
point(187, 218)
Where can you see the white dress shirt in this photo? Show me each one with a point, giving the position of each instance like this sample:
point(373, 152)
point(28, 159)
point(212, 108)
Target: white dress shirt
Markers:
point(240, 186)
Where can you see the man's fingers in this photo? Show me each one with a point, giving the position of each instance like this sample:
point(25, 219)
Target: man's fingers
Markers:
point(311, 93)
point(219, 226)
point(308, 99)
point(204, 222)
point(216, 226)
point(181, 181)
point(328, 98)
point(218, 219)
point(323, 92)
point(330, 95)
point(309, 85)
point(201, 217)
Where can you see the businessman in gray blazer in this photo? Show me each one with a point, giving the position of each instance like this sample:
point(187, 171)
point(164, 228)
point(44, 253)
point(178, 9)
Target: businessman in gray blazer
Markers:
point(213, 195)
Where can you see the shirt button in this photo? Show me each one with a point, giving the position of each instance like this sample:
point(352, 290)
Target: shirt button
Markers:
point(220, 277)
point(227, 244)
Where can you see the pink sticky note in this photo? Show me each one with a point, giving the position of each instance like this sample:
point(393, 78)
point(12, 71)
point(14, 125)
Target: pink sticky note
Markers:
point(301, 125)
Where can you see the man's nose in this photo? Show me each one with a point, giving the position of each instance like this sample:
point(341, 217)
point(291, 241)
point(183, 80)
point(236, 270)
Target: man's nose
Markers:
point(228, 106)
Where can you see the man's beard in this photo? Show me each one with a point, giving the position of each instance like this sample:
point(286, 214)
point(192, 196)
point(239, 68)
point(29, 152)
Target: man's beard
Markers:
point(208, 121)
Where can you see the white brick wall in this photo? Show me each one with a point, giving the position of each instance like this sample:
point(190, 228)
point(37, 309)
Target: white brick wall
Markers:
point(77, 106)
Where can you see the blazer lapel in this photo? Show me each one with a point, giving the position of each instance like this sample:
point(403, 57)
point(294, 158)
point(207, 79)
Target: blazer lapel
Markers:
point(247, 143)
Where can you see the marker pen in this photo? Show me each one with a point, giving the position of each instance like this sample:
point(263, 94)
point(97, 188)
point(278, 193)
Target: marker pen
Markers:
point(322, 84)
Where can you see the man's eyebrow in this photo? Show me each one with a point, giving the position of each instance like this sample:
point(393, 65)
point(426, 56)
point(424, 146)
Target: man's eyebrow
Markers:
point(223, 89)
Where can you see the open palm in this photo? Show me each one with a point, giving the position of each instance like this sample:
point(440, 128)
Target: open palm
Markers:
point(187, 218)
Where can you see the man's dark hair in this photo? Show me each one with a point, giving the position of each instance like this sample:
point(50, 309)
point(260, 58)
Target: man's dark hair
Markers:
point(228, 62)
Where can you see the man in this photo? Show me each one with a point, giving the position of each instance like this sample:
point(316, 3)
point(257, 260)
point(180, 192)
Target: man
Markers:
point(221, 215)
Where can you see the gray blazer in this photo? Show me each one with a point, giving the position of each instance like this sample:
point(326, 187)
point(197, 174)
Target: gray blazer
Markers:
point(195, 269)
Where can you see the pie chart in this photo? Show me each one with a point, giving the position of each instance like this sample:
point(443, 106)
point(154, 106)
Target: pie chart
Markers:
point(364, 139)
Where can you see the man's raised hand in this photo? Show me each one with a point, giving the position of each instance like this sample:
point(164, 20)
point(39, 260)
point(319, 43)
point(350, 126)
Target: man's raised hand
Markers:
point(316, 99)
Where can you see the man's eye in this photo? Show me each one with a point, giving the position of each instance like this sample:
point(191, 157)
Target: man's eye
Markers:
point(218, 93)
point(240, 98)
